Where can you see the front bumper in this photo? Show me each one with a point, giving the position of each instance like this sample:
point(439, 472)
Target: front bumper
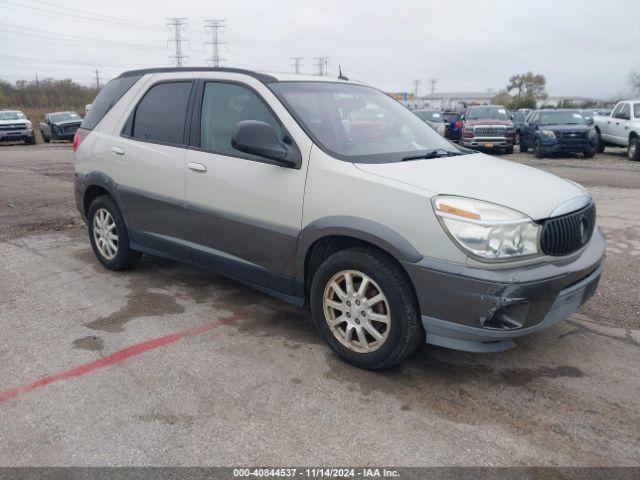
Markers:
point(483, 310)
point(15, 135)
point(482, 142)
point(559, 147)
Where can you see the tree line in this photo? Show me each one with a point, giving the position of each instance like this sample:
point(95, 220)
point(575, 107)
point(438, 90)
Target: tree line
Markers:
point(46, 93)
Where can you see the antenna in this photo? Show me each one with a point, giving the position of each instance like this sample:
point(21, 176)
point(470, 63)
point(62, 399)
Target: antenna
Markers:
point(340, 76)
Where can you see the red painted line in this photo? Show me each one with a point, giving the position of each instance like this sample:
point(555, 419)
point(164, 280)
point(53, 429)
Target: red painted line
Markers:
point(115, 357)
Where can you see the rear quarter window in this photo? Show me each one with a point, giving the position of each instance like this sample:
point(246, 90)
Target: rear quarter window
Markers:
point(107, 98)
point(636, 110)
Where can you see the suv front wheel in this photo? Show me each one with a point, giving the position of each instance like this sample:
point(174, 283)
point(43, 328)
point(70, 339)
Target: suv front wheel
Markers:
point(109, 236)
point(364, 307)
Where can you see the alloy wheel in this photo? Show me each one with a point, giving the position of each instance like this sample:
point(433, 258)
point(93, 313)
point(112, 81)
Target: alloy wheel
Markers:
point(105, 233)
point(357, 311)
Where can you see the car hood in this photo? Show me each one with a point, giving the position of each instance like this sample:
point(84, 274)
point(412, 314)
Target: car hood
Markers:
point(488, 121)
point(13, 122)
point(68, 122)
point(563, 127)
point(526, 189)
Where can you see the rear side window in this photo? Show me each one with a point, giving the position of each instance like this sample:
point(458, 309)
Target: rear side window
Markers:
point(223, 106)
point(636, 110)
point(160, 115)
point(107, 98)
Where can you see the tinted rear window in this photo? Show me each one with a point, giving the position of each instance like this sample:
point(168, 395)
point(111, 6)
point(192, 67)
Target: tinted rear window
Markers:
point(107, 98)
point(451, 117)
point(160, 115)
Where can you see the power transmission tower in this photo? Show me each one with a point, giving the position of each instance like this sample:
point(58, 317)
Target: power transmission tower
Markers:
point(416, 87)
point(297, 63)
point(432, 82)
point(178, 25)
point(97, 72)
point(213, 26)
point(322, 63)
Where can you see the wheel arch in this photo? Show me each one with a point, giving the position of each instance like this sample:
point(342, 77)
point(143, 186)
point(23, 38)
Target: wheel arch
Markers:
point(328, 235)
point(93, 185)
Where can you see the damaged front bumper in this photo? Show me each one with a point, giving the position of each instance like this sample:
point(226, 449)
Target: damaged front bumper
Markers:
point(483, 310)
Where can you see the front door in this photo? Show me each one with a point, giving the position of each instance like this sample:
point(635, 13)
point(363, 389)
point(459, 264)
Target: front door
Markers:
point(245, 212)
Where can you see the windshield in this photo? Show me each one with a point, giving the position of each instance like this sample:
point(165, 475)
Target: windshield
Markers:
point(560, 117)
point(358, 123)
point(487, 113)
point(12, 116)
point(65, 117)
point(429, 116)
point(518, 117)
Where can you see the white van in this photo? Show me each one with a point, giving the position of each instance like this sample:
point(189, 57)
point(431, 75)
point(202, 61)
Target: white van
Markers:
point(329, 194)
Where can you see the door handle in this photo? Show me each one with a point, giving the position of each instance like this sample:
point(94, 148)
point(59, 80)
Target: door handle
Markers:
point(117, 150)
point(196, 167)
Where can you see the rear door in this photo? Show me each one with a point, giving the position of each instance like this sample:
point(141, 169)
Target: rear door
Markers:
point(149, 167)
point(607, 130)
point(620, 125)
point(245, 212)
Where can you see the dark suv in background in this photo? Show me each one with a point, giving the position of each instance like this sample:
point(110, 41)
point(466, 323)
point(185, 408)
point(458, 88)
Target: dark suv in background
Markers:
point(452, 125)
point(558, 131)
point(488, 127)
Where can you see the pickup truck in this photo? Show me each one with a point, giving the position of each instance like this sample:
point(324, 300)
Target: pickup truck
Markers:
point(60, 126)
point(14, 126)
point(621, 128)
point(488, 127)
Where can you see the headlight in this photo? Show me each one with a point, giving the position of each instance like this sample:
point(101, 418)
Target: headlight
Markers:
point(548, 133)
point(487, 231)
point(29, 125)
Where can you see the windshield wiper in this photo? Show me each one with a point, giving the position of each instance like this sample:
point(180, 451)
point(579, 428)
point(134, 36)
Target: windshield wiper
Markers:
point(435, 153)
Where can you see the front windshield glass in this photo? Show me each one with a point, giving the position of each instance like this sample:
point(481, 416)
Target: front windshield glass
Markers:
point(358, 123)
point(12, 116)
point(487, 113)
point(65, 117)
point(562, 117)
point(429, 115)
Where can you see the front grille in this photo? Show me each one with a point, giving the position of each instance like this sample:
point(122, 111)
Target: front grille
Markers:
point(14, 126)
point(489, 131)
point(568, 233)
point(571, 138)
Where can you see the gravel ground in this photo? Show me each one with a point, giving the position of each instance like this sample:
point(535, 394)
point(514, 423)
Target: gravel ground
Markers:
point(94, 373)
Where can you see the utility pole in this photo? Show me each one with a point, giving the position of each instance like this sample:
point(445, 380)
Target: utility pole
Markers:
point(297, 63)
point(432, 82)
point(213, 27)
point(322, 63)
point(178, 25)
point(97, 72)
point(37, 82)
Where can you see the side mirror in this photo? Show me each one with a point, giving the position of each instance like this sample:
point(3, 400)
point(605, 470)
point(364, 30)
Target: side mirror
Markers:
point(260, 138)
point(590, 121)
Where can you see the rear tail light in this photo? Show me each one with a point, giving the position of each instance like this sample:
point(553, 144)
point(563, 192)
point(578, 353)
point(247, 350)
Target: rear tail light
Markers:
point(458, 124)
point(80, 135)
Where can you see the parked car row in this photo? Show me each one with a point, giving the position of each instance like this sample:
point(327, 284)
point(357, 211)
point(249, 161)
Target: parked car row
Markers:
point(15, 126)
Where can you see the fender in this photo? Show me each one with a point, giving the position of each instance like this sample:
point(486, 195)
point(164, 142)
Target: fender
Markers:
point(98, 179)
point(367, 230)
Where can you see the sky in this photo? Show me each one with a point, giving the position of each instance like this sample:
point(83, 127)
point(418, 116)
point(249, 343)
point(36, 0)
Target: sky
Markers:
point(583, 47)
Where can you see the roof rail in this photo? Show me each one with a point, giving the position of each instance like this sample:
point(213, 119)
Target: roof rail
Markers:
point(263, 77)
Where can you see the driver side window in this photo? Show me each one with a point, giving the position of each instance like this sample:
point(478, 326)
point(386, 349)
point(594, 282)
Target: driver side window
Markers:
point(223, 106)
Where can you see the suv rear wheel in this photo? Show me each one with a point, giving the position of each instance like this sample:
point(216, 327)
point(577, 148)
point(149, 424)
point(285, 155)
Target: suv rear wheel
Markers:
point(365, 309)
point(600, 147)
point(109, 236)
point(634, 149)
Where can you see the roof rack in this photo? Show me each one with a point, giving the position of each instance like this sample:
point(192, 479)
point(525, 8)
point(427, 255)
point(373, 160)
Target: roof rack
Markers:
point(263, 77)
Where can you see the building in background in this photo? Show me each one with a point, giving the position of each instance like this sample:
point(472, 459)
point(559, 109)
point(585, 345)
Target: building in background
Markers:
point(454, 100)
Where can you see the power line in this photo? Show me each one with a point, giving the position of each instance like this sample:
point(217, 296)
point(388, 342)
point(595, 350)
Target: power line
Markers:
point(297, 63)
point(416, 87)
point(97, 72)
point(322, 63)
point(432, 82)
point(178, 25)
point(213, 27)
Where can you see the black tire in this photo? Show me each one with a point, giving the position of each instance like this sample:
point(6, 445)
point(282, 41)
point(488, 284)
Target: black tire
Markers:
point(45, 139)
point(405, 328)
point(517, 140)
point(600, 147)
point(31, 140)
point(509, 150)
point(537, 151)
point(634, 149)
point(125, 257)
point(523, 147)
point(589, 153)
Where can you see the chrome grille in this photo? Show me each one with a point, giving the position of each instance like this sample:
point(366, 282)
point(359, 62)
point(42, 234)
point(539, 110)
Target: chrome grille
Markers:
point(14, 126)
point(568, 233)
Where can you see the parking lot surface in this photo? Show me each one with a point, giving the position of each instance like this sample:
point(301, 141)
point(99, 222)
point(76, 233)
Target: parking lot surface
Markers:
point(170, 365)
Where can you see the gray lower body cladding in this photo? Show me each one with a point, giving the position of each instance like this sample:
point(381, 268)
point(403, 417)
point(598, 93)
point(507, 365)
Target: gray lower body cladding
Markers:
point(484, 310)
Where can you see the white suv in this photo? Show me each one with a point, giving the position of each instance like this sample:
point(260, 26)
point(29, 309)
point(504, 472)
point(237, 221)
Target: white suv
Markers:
point(329, 194)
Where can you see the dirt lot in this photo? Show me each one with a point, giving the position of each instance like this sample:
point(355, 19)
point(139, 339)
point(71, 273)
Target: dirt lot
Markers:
point(170, 365)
